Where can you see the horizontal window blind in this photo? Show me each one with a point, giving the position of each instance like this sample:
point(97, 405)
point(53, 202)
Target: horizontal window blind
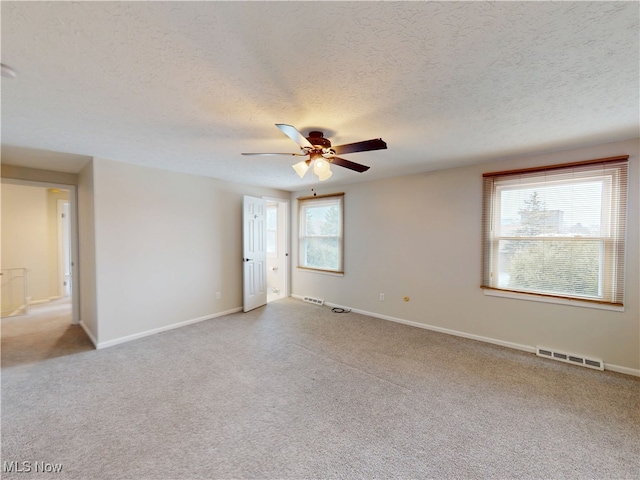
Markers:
point(557, 231)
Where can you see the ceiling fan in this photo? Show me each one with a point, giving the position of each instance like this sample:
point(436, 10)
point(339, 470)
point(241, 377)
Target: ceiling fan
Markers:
point(322, 154)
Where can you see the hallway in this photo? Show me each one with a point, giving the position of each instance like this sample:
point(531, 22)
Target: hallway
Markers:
point(45, 332)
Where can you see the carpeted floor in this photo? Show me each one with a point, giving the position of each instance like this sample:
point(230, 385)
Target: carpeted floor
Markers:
point(292, 390)
point(45, 333)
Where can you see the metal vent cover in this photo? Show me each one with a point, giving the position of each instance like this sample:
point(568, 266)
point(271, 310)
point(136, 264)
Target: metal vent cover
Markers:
point(570, 358)
point(315, 301)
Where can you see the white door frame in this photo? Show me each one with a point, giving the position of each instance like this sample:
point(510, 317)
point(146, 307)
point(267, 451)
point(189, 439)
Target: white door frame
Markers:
point(73, 226)
point(64, 246)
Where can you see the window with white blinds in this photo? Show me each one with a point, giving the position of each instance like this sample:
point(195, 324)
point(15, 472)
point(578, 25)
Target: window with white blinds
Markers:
point(321, 232)
point(557, 231)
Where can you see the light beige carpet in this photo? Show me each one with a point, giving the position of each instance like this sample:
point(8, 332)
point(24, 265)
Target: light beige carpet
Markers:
point(292, 390)
point(44, 333)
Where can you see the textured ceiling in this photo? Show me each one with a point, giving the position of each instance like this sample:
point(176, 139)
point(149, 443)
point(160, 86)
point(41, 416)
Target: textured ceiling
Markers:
point(188, 86)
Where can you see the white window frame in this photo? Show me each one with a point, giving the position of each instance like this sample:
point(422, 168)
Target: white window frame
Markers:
point(318, 201)
point(611, 275)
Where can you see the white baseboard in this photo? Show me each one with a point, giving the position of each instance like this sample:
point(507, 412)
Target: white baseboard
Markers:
point(618, 369)
point(38, 302)
point(43, 300)
point(135, 336)
point(448, 331)
point(525, 348)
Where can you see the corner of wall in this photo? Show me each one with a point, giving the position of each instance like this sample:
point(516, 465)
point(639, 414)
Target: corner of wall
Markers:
point(87, 253)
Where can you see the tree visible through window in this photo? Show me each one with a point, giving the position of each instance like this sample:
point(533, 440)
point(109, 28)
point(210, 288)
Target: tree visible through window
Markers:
point(557, 231)
point(562, 266)
point(320, 244)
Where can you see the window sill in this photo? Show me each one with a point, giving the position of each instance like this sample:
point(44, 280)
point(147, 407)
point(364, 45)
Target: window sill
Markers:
point(322, 272)
point(557, 301)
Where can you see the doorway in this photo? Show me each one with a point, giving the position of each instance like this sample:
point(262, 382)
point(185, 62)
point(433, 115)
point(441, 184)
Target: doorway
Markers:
point(265, 251)
point(39, 241)
point(277, 236)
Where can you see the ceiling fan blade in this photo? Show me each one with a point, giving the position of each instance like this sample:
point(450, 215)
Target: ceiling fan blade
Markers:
point(367, 145)
point(348, 164)
point(288, 154)
point(293, 133)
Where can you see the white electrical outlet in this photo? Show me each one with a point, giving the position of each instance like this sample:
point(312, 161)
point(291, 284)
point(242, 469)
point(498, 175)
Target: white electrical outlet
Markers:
point(218, 295)
point(382, 297)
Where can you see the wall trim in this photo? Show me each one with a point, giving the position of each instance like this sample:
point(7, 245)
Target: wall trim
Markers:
point(37, 302)
point(558, 301)
point(516, 346)
point(136, 336)
point(12, 173)
point(618, 369)
point(448, 331)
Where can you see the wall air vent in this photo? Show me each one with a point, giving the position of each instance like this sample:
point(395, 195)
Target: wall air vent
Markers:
point(315, 301)
point(570, 358)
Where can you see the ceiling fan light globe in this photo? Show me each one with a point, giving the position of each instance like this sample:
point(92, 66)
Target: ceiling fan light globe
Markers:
point(325, 176)
point(320, 166)
point(301, 168)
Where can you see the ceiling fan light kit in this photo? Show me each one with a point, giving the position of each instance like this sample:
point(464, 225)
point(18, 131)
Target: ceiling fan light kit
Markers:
point(322, 154)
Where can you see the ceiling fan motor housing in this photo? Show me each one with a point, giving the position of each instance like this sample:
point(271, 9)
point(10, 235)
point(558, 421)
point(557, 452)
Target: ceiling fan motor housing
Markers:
point(317, 139)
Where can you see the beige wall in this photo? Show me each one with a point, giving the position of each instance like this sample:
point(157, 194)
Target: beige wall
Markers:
point(165, 242)
point(30, 236)
point(87, 253)
point(420, 236)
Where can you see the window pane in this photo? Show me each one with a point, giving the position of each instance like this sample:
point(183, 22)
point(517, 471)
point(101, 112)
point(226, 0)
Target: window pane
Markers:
point(562, 267)
point(322, 253)
point(566, 209)
point(272, 217)
point(272, 226)
point(271, 242)
point(322, 220)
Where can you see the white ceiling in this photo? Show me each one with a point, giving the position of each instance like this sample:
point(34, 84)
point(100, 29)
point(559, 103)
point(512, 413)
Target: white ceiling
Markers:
point(188, 86)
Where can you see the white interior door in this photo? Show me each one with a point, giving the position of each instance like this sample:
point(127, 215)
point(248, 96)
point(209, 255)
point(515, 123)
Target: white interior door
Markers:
point(254, 253)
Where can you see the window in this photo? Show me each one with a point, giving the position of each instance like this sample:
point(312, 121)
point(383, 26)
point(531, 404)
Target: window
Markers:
point(557, 231)
point(272, 229)
point(320, 245)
